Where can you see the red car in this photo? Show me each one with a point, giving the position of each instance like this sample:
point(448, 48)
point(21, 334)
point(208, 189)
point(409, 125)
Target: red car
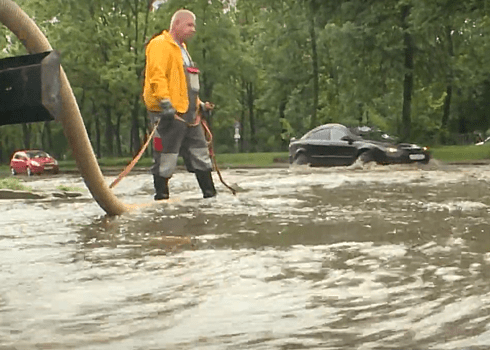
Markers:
point(33, 162)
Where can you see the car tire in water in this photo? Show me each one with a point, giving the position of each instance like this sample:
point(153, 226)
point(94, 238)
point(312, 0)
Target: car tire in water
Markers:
point(301, 159)
point(367, 156)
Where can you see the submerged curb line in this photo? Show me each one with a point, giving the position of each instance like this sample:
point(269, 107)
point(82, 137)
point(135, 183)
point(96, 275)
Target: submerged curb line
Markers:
point(21, 194)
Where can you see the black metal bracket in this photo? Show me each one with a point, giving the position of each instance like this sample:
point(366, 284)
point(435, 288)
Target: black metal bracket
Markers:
point(30, 88)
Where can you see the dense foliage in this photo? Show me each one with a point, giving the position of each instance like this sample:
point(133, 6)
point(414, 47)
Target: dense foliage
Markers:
point(418, 69)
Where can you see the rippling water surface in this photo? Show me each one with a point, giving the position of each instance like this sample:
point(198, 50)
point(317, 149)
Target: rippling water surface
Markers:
point(345, 258)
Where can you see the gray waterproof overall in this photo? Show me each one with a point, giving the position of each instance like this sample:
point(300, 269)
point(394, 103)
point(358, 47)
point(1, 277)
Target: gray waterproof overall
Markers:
point(174, 136)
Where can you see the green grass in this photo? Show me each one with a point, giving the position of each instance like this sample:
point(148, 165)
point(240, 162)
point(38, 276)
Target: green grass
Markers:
point(227, 160)
point(223, 160)
point(13, 184)
point(268, 159)
point(461, 153)
point(251, 159)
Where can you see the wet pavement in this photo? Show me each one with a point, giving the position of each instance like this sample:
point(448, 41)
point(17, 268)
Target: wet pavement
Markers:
point(372, 257)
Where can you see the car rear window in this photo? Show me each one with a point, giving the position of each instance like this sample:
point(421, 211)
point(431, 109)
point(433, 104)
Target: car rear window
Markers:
point(337, 134)
point(323, 134)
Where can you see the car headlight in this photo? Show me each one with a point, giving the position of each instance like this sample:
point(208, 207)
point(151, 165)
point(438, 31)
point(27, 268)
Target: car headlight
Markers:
point(35, 163)
point(391, 150)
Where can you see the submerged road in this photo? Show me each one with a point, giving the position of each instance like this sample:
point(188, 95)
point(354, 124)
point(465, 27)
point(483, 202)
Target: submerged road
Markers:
point(361, 258)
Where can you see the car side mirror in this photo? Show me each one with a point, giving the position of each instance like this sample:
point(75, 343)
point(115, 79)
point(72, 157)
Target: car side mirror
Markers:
point(349, 139)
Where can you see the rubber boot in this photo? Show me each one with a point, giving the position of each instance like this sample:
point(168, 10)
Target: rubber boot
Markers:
point(161, 187)
point(206, 183)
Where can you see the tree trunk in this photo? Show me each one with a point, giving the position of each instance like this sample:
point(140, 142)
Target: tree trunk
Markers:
point(26, 132)
point(109, 132)
point(147, 128)
point(44, 143)
point(251, 116)
point(449, 88)
point(97, 131)
point(316, 73)
point(98, 137)
point(447, 106)
point(134, 133)
point(1, 148)
point(47, 137)
point(282, 116)
point(135, 127)
point(242, 119)
point(206, 90)
point(117, 135)
point(408, 80)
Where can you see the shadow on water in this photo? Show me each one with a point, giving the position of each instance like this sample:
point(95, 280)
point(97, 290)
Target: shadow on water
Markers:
point(362, 258)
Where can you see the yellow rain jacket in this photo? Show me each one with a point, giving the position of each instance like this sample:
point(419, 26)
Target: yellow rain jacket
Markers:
point(164, 74)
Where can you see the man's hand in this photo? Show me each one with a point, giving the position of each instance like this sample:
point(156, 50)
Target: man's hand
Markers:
point(208, 106)
point(168, 111)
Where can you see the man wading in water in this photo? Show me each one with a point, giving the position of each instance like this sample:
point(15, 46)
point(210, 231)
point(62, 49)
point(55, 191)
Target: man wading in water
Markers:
point(171, 97)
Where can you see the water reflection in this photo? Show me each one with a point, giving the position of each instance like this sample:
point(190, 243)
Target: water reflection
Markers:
point(379, 258)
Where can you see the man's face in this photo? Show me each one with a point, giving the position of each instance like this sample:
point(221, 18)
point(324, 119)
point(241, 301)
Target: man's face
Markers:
point(186, 27)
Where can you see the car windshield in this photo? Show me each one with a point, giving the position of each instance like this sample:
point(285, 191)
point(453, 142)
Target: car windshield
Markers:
point(379, 136)
point(37, 154)
point(373, 134)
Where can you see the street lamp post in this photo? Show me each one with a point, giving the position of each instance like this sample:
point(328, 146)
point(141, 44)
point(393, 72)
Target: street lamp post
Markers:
point(237, 135)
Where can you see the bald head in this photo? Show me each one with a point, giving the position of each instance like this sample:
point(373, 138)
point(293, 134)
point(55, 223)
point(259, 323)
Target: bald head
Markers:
point(179, 15)
point(183, 25)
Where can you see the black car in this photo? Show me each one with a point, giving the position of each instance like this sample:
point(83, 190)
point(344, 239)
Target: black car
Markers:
point(336, 145)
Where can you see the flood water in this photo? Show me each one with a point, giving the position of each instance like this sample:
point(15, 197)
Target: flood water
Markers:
point(393, 257)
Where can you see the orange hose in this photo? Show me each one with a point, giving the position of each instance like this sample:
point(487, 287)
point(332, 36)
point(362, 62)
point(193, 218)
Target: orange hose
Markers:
point(135, 159)
point(209, 138)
